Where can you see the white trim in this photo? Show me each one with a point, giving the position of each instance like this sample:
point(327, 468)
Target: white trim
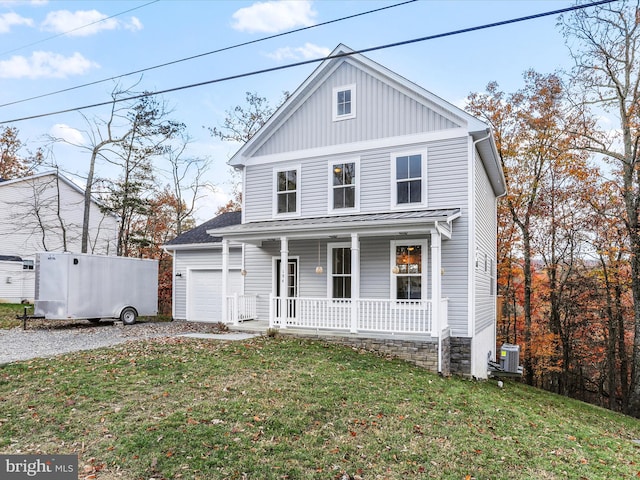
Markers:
point(473, 246)
point(334, 102)
point(331, 188)
point(330, 247)
point(402, 141)
point(393, 288)
point(298, 190)
point(423, 178)
point(274, 263)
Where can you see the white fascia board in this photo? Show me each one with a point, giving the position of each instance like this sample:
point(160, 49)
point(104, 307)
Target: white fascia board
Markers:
point(356, 147)
point(199, 246)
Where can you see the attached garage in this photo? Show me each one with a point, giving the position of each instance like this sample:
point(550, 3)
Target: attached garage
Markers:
point(197, 271)
point(203, 288)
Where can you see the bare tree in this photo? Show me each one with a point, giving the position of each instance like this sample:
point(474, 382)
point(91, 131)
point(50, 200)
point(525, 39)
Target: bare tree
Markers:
point(605, 43)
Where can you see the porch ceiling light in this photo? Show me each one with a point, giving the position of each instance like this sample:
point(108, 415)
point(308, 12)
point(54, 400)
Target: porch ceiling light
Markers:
point(319, 269)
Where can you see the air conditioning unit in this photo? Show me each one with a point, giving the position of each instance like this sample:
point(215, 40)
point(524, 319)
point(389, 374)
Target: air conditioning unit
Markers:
point(510, 358)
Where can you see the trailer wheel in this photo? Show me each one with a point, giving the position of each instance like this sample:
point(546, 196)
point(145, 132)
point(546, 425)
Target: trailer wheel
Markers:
point(128, 316)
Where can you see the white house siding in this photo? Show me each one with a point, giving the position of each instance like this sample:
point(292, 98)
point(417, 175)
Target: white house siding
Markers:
point(485, 249)
point(202, 259)
point(448, 180)
point(28, 205)
point(382, 111)
point(16, 284)
point(444, 189)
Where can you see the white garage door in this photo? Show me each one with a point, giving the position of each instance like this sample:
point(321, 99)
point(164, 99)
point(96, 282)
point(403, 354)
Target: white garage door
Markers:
point(204, 299)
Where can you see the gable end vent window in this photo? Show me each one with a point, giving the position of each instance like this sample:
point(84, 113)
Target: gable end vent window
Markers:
point(287, 191)
point(344, 102)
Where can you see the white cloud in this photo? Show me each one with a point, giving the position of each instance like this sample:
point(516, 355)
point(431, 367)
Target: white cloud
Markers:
point(8, 20)
point(134, 24)
point(83, 23)
point(274, 16)
point(306, 52)
point(70, 134)
point(45, 65)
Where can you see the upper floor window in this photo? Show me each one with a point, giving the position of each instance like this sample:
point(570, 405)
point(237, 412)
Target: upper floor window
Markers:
point(409, 177)
point(343, 185)
point(287, 191)
point(344, 102)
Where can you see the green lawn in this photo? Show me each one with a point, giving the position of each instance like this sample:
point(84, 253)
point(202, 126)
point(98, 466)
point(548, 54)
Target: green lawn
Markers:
point(284, 408)
point(8, 312)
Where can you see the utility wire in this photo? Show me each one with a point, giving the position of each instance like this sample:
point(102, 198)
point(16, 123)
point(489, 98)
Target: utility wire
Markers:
point(231, 47)
point(78, 28)
point(317, 60)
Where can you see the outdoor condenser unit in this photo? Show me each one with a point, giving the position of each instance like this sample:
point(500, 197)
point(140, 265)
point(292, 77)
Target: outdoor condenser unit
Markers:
point(510, 358)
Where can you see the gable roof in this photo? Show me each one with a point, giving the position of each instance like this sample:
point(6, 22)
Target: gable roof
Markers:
point(199, 235)
point(64, 179)
point(479, 131)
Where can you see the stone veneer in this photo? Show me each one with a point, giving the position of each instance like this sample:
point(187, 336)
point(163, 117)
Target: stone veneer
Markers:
point(423, 353)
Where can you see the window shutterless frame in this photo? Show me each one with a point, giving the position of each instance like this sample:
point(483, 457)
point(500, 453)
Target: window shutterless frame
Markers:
point(409, 179)
point(286, 191)
point(344, 185)
point(344, 102)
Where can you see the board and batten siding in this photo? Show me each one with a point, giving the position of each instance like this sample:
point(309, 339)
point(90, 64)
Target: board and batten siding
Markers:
point(204, 259)
point(382, 111)
point(485, 249)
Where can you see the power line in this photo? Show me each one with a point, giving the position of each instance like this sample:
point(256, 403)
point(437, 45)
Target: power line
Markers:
point(317, 60)
point(193, 57)
point(77, 28)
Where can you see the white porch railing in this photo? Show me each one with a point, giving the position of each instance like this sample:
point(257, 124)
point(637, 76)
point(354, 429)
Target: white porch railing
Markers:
point(240, 308)
point(367, 315)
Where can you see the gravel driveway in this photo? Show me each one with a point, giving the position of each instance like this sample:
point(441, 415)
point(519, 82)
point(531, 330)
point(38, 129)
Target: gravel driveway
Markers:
point(43, 339)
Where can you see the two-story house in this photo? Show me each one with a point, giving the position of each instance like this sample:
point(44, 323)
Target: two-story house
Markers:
point(369, 208)
point(44, 212)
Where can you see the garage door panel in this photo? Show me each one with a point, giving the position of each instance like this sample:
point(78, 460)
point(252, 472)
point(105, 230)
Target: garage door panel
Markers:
point(204, 295)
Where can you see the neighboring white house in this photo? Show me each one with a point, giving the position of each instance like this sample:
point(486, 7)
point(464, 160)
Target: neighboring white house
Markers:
point(44, 212)
point(380, 199)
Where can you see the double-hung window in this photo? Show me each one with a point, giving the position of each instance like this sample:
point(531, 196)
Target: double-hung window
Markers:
point(344, 102)
point(409, 177)
point(343, 181)
point(287, 194)
point(407, 259)
point(340, 275)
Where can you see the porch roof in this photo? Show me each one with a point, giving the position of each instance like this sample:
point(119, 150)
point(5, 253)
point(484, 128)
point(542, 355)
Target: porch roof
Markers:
point(366, 224)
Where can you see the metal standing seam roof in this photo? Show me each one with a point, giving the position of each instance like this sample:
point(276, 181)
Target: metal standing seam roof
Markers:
point(343, 221)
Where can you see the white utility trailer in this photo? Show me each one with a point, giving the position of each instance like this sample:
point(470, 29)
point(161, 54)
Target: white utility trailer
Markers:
point(82, 286)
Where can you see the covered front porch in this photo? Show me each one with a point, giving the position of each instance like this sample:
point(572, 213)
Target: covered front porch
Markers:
point(291, 288)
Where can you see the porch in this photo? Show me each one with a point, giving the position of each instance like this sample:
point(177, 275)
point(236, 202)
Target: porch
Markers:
point(355, 316)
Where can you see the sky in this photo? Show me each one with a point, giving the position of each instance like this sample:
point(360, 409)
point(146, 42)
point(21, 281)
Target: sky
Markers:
point(47, 46)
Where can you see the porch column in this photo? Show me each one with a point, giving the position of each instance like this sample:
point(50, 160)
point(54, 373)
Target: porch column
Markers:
point(355, 281)
point(436, 291)
point(225, 274)
point(436, 282)
point(284, 290)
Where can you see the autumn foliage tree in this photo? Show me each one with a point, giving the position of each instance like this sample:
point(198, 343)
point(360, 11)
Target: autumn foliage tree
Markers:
point(13, 164)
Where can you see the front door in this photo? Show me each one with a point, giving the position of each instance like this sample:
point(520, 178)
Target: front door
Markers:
point(292, 286)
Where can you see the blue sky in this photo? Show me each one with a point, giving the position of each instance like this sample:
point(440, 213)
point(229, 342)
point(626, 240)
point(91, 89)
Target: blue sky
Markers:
point(47, 46)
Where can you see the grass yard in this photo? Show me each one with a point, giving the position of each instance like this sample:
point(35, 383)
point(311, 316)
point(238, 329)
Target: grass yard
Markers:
point(284, 408)
point(8, 312)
